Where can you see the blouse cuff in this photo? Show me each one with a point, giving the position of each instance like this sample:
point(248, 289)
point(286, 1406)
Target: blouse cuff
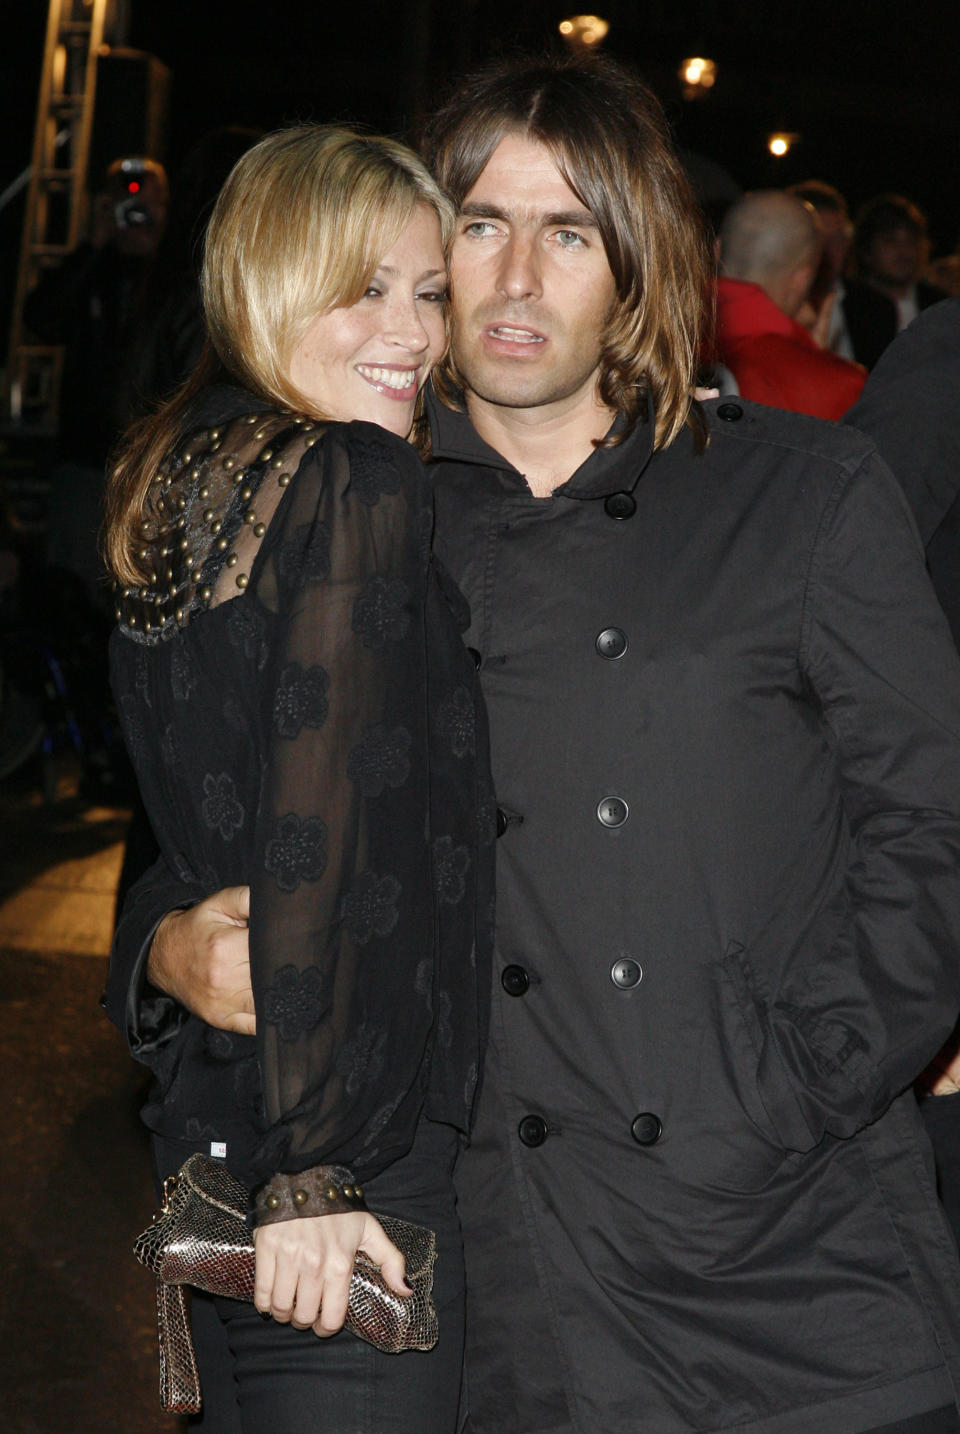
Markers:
point(324, 1190)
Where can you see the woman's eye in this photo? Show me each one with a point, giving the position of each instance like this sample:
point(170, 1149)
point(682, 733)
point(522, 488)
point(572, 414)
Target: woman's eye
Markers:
point(434, 296)
point(372, 292)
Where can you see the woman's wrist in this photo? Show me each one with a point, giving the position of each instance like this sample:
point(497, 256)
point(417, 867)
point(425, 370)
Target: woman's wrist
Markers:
point(322, 1190)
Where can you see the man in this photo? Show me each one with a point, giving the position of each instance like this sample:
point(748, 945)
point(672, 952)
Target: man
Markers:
point(90, 304)
point(861, 321)
point(726, 740)
point(770, 247)
point(892, 249)
point(908, 408)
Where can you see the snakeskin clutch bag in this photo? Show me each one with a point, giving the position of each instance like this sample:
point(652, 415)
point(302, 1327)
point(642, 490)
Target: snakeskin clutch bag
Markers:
point(200, 1238)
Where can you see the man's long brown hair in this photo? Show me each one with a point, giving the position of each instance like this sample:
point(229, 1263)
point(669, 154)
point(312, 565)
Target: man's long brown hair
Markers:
point(609, 138)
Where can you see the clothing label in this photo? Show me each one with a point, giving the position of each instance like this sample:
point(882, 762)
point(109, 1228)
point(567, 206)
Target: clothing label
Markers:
point(218, 1148)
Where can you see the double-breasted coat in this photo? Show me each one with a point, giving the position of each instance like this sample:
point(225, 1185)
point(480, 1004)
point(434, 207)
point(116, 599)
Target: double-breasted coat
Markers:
point(725, 728)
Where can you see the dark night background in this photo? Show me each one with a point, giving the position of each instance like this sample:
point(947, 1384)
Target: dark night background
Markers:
point(872, 88)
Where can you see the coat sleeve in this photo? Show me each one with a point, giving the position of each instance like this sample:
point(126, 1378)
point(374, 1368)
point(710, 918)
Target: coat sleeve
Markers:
point(860, 1014)
point(147, 1019)
point(342, 910)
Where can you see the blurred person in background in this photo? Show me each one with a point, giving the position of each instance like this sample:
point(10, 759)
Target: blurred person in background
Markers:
point(860, 321)
point(892, 251)
point(90, 304)
point(909, 408)
point(168, 332)
point(770, 244)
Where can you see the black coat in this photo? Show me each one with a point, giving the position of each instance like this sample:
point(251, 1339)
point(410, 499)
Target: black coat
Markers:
point(726, 747)
point(871, 320)
point(909, 408)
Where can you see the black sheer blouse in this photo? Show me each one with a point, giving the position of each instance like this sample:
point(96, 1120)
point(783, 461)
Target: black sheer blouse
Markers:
point(303, 717)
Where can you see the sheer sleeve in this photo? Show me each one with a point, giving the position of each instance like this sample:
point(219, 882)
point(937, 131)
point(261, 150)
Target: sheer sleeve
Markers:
point(342, 939)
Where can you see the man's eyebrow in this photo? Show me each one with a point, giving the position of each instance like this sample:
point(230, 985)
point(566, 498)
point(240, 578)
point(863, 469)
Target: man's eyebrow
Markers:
point(572, 218)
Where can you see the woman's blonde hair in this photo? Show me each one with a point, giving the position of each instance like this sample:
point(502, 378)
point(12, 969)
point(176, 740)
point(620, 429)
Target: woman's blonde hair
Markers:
point(298, 229)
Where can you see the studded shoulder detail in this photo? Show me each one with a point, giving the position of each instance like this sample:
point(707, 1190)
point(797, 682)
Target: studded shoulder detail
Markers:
point(206, 516)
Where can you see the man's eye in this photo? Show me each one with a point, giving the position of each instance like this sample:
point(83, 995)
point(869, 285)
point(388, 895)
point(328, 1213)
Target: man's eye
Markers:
point(479, 229)
point(569, 238)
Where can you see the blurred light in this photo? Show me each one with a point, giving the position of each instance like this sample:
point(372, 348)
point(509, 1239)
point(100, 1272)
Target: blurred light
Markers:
point(133, 186)
point(584, 31)
point(699, 72)
point(780, 143)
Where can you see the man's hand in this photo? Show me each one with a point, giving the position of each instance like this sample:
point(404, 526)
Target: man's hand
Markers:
point(201, 958)
point(942, 1076)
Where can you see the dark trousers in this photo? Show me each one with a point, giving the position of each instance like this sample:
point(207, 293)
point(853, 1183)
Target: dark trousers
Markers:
point(259, 1377)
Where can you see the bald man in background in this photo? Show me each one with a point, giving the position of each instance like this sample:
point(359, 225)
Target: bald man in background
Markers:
point(769, 251)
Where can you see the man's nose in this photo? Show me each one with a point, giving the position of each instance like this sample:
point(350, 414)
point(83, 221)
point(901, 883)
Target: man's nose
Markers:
point(520, 276)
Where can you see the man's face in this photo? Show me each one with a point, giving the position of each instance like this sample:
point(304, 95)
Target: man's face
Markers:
point(897, 257)
point(836, 231)
point(531, 288)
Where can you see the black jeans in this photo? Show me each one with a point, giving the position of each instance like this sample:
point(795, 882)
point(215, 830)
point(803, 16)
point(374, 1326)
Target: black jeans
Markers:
point(259, 1377)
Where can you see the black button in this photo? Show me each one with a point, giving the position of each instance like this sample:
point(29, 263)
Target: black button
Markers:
point(532, 1130)
point(646, 1128)
point(626, 973)
point(613, 811)
point(620, 506)
point(611, 643)
point(730, 412)
point(477, 657)
point(503, 821)
point(515, 980)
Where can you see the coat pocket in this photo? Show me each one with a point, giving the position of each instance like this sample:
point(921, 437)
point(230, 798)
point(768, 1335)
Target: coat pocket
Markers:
point(777, 1110)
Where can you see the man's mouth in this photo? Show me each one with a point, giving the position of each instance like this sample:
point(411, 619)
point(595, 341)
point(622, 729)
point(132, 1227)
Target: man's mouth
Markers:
point(398, 382)
point(511, 334)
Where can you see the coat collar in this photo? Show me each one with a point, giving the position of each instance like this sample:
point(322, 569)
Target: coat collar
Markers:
point(606, 471)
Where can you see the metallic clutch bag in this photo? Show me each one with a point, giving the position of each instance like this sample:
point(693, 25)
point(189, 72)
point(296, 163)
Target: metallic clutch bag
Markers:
point(201, 1238)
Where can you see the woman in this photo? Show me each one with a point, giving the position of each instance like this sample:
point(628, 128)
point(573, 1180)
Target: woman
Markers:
point(303, 719)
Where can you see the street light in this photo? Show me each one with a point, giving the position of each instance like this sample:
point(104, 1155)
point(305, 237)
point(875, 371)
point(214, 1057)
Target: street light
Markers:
point(781, 142)
point(699, 77)
point(584, 32)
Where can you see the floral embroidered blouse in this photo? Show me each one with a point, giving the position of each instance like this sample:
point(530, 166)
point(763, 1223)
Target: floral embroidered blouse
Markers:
point(303, 717)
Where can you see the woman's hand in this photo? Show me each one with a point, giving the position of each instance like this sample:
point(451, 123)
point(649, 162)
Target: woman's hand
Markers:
point(303, 1267)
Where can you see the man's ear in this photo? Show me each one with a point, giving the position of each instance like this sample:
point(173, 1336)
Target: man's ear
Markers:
point(797, 287)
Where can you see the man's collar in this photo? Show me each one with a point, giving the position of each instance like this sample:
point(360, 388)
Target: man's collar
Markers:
point(606, 471)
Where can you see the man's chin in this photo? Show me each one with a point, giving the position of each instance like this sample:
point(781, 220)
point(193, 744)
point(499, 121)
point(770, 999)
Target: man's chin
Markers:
point(517, 389)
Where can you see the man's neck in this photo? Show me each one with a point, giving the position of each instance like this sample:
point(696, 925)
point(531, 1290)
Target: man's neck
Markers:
point(896, 292)
point(546, 444)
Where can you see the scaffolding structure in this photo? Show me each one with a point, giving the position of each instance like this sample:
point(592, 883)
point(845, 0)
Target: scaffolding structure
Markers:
point(57, 194)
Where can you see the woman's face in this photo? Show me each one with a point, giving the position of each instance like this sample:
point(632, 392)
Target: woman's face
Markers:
point(370, 360)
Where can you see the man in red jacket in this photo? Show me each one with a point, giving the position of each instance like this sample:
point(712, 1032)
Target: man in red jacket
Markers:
point(770, 245)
